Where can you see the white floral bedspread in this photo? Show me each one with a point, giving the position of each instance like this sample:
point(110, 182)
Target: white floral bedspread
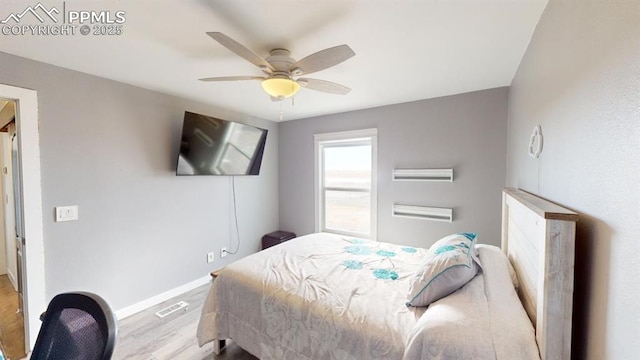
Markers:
point(324, 296)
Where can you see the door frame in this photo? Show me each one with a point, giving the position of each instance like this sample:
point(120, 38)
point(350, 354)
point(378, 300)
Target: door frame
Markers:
point(8, 208)
point(33, 255)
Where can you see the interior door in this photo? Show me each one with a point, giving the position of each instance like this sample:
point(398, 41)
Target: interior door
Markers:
point(7, 204)
point(17, 203)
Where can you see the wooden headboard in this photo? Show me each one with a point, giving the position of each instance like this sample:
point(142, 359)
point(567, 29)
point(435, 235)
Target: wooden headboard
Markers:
point(538, 237)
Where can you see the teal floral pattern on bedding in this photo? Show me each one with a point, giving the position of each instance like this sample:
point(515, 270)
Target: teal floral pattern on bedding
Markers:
point(358, 250)
point(469, 235)
point(385, 274)
point(353, 264)
point(385, 253)
point(377, 258)
point(444, 249)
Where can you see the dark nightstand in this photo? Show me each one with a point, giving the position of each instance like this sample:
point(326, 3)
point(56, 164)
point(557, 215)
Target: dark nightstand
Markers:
point(276, 238)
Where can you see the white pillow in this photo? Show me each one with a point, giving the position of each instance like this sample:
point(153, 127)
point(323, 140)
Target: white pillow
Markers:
point(497, 253)
point(451, 262)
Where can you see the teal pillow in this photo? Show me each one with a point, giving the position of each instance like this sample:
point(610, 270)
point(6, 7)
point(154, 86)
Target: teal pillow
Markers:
point(450, 263)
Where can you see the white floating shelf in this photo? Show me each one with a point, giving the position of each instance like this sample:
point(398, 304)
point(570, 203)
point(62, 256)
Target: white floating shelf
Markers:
point(423, 212)
point(423, 175)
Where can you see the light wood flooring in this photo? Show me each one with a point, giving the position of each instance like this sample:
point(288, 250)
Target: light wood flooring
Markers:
point(144, 336)
point(11, 321)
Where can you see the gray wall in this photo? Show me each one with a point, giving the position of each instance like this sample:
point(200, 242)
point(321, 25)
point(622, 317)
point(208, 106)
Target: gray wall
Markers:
point(466, 132)
point(111, 149)
point(580, 79)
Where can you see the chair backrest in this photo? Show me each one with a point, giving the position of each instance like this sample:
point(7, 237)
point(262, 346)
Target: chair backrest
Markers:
point(76, 326)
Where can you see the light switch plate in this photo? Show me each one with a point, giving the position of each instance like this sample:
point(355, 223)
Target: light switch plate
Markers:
point(66, 213)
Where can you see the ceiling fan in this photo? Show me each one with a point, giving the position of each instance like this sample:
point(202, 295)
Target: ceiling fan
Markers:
point(283, 73)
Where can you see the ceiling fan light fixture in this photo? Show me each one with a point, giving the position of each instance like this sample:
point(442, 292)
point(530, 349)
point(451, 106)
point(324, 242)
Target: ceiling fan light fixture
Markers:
point(280, 87)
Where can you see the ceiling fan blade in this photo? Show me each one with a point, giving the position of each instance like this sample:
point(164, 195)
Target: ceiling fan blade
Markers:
point(241, 51)
point(322, 60)
point(232, 78)
point(324, 86)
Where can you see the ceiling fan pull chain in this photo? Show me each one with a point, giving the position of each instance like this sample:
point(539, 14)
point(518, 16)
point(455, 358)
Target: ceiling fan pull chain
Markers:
point(281, 116)
point(294, 93)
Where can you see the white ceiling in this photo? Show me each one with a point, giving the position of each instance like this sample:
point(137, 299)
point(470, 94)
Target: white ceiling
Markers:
point(405, 50)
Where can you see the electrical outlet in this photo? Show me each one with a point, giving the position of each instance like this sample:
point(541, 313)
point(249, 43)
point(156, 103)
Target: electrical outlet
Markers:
point(223, 252)
point(66, 213)
point(210, 257)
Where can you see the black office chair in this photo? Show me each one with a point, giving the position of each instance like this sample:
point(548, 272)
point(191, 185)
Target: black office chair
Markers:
point(76, 326)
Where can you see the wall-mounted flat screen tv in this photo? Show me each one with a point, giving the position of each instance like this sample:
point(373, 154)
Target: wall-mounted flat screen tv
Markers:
point(211, 146)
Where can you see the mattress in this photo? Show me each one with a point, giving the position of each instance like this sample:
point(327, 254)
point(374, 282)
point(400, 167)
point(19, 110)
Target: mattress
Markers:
point(324, 296)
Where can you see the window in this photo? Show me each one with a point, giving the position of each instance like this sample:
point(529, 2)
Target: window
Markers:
point(346, 183)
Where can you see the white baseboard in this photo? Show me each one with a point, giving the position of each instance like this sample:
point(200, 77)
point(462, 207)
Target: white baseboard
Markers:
point(155, 300)
point(12, 280)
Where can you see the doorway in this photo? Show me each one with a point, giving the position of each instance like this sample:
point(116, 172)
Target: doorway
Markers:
point(12, 337)
point(11, 315)
point(27, 165)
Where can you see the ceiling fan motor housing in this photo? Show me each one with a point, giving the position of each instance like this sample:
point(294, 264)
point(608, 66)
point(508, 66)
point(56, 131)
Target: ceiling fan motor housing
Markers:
point(281, 60)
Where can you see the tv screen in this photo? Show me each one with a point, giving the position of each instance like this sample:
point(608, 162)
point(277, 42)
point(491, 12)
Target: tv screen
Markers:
point(211, 146)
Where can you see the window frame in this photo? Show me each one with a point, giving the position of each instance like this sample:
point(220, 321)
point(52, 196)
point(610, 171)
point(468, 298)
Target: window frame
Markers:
point(340, 139)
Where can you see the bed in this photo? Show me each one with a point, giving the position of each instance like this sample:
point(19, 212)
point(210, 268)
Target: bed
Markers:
point(325, 296)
